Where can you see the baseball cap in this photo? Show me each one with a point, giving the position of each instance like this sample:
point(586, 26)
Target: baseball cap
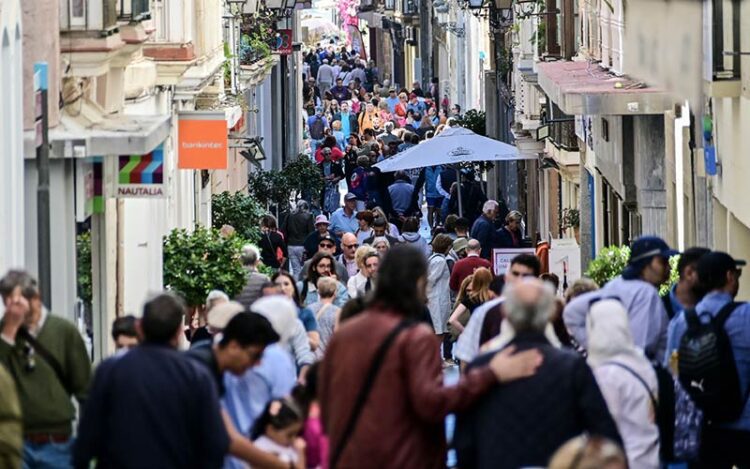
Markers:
point(326, 237)
point(321, 219)
point(221, 314)
point(646, 247)
point(460, 244)
point(716, 264)
point(350, 196)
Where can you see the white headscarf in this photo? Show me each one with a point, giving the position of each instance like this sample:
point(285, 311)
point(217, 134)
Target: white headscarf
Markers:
point(608, 331)
point(280, 311)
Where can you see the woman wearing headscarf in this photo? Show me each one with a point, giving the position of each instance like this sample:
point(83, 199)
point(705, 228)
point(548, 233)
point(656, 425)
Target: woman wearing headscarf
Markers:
point(627, 381)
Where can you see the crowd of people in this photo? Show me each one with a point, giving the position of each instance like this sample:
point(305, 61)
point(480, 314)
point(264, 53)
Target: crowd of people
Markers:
point(311, 370)
point(337, 358)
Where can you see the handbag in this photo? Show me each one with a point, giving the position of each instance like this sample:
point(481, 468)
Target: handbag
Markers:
point(364, 392)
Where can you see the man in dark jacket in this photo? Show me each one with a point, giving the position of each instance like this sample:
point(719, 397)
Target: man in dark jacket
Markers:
point(296, 227)
point(522, 424)
point(483, 229)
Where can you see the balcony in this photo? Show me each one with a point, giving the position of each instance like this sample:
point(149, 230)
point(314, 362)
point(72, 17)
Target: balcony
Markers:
point(390, 5)
point(88, 15)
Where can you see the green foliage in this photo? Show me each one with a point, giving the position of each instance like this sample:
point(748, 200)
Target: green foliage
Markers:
point(571, 218)
point(474, 120)
point(238, 210)
point(300, 177)
point(674, 275)
point(612, 260)
point(608, 264)
point(303, 176)
point(83, 266)
point(198, 262)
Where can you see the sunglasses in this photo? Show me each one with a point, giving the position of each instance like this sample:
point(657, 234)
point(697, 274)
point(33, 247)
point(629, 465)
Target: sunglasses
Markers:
point(325, 245)
point(350, 246)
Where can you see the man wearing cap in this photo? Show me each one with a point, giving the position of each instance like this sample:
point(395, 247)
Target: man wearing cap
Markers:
point(637, 289)
point(344, 220)
point(327, 245)
point(722, 445)
point(313, 239)
point(325, 76)
point(468, 265)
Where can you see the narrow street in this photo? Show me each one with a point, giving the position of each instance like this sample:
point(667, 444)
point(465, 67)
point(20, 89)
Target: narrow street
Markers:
point(374, 234)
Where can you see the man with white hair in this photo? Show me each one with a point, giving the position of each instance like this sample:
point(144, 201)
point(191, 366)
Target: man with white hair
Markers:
point(325, 77)
point(255, 279)
point(483, 229)
point(522, 424)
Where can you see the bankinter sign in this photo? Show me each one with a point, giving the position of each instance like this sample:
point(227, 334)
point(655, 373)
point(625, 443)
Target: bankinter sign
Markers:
point(202, 138)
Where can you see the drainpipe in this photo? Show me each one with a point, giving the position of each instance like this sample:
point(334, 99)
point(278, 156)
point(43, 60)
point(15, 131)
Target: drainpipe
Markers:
point(680, 124)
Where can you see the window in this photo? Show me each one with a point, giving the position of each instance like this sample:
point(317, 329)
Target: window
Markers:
point(605, 129)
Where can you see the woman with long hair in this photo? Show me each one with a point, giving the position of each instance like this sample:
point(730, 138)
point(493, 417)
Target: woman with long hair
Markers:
point(321, 265)
point(285, 281)
point(401, 423)
point(480, 293)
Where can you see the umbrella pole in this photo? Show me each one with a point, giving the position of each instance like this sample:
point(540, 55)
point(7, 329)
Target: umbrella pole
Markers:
point(458, 192)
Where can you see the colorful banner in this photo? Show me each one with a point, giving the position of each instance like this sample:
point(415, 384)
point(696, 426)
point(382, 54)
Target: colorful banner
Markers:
point(202, 140)
point(141, 175)
point(282, 43)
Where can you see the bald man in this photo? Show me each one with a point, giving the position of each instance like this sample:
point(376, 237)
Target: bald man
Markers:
point(349, 245)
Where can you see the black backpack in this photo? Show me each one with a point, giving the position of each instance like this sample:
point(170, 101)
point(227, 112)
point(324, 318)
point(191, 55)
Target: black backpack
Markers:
point(707, 368)
point(317, 128)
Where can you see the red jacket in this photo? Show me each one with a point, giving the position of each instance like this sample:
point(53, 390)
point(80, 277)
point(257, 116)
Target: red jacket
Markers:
point(402, 424)
point(465, 267)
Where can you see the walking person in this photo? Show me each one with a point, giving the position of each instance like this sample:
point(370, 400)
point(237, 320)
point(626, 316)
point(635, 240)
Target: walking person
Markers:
point(627, 380)
point(523, 424)
point(438, 291)
point(483, 229)
point(720, 383)
point(272, 245)
point(297, 226)
point(368, 261)
point(255, 280)
point(381, 392)
point(326, 313)
point(331, 172)
point(50, 366)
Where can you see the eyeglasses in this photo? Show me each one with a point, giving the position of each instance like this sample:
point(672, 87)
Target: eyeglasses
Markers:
point(351, 246)
point(326, 245)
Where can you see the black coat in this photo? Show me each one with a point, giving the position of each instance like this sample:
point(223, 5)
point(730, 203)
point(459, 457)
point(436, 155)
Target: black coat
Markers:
point(522, 423)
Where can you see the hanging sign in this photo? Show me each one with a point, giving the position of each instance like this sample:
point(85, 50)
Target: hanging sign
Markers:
point(141, 176)
point(202, 140)
point(281, 44)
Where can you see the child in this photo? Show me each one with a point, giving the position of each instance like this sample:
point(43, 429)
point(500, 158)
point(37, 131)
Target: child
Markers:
point(316, 443)
point(277, 430)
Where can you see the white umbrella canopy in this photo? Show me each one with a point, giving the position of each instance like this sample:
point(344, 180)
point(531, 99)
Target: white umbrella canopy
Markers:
point(453, 145)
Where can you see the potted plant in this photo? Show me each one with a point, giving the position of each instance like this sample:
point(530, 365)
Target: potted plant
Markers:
point(571, 218)
point(238, 210)
point(200, 261)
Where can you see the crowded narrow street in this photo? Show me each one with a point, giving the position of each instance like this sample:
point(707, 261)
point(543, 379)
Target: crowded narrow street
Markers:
point(360, 234)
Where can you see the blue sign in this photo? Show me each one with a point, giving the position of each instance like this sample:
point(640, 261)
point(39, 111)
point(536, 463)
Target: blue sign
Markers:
point(709, 155)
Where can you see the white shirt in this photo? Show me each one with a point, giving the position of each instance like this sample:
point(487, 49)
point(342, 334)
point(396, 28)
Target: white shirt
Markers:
point(285, 453)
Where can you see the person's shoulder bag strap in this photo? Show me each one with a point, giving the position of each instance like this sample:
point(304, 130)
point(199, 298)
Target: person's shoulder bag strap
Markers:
point(651, 396)
point(42, 351)
point(364, 392)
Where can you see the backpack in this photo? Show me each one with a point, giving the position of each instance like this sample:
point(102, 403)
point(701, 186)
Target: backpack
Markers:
point(707, 368)
point(317, 128)
point(676, 417)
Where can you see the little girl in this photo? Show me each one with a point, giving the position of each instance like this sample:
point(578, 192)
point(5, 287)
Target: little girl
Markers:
point(277, 431)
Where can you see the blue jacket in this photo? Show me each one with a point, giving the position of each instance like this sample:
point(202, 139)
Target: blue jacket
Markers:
point(738, 330)
point(483, 231)
point(401, 192)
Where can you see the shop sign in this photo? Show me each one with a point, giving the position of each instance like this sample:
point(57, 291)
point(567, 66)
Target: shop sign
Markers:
point(202, 140)
point(141, 176)
point(501, 258)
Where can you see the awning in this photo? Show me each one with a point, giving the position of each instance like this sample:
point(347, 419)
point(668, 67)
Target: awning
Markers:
point(584, 88)
point(85, 130)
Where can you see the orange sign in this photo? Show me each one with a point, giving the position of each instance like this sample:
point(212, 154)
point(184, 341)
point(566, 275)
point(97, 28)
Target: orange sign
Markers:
point(202, 140)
